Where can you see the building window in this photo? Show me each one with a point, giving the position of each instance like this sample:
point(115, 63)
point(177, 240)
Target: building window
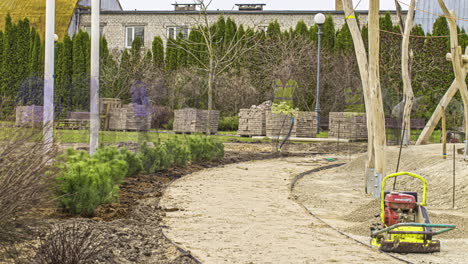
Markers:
point(173, 32)
point(132, 33)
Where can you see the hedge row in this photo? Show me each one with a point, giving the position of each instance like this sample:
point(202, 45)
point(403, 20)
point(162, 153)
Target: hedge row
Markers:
point(86, 182)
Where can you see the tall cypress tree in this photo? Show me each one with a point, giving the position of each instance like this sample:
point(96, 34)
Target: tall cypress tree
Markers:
point(181, 52)
point(313, 33)
point(274, 30)
point(230, 31)
point(158, 52)
point(1, 61)
point(124, 76)
point(9, 66)
point(301, 29)
point(328, 37)
point(67, 74)
point(81, 70)
point(23, 44)
point(171, 57)
point(344, 40)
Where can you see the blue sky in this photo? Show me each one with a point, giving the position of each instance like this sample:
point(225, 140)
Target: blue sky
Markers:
point(271, 4)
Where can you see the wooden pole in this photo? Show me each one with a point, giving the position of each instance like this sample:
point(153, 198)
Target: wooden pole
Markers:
point(406, 75)
point(444, 135)
point(376, 94)
point(363, 64)
point(457, 60)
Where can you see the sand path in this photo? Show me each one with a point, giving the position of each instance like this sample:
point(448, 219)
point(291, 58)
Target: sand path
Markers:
point(243, 213)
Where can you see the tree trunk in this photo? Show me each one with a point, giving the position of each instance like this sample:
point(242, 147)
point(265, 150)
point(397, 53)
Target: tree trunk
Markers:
point(376, 94)
point(211, 77)
point(457, 60)
point(406, 75)
point(361, 57)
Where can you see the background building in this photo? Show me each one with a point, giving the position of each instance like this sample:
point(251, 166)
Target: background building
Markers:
point(122, 27)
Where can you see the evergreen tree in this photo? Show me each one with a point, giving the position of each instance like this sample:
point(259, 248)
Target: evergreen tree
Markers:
point(81, 70)
point(386, 22)
point(171, 57)
point(1, 61)
point(230, 31)
point(274, 30)
point(181, 52)
point(344, 40)
point(9, 65)
point(301, 29)
point(158, 51)
point(124, 76)
point(328, 37)
point(313, 33)
point(23, 44)
point(66, 69)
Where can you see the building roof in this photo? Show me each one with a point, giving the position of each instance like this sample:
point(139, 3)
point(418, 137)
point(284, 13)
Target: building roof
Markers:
point(34, 10)
point(236, 12)
point(427, 11)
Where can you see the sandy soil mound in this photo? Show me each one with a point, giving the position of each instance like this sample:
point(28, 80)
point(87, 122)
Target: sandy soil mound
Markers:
point(337, 196)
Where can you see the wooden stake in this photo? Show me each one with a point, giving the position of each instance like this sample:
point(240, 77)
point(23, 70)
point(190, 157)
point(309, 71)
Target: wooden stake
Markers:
point(453, 197)
point(444, 135)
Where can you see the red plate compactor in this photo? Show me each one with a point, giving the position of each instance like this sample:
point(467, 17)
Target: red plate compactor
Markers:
point(405, 225)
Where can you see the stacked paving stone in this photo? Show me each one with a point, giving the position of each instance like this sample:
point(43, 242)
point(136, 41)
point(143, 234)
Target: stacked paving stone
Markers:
point(29, 116)
point(350, 125)
point(191, 120)
point(132, 117)
point(252, 122)
point(305, 124)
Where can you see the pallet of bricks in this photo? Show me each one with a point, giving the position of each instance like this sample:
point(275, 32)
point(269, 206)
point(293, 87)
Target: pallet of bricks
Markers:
point(131, 117)
point(252, 122)
point(348, 125)
point(305, 124)
point(191, 120)
point(29, 116)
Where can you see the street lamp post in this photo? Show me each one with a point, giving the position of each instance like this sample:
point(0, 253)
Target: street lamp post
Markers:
point(319, 20)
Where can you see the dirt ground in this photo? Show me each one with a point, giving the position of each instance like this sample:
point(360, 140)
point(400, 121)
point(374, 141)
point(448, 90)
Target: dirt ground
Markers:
point(243, 213)
point(133, 225)
point(337, 197)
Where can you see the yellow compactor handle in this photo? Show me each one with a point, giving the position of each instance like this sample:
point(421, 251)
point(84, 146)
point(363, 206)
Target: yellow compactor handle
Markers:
point(382, 193)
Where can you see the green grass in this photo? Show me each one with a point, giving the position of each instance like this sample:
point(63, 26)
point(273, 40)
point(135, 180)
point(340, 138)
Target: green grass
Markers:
point(106, 137)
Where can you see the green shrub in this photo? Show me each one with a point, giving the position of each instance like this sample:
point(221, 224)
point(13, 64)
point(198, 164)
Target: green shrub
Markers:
point(178, 151)
point(229, 123)
point(164, 155)
point(146, 155)
point(135, 165)
point(88, 181)
point(205, 148)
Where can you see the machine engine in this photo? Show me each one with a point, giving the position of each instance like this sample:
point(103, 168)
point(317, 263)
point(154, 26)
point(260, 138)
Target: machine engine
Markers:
point(399, 208)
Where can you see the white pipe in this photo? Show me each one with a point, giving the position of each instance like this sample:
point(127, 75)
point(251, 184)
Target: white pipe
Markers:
point(94, 107)
point(48, 119)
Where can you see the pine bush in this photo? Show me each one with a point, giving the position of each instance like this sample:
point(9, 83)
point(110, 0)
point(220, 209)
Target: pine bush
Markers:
point(88, 181)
